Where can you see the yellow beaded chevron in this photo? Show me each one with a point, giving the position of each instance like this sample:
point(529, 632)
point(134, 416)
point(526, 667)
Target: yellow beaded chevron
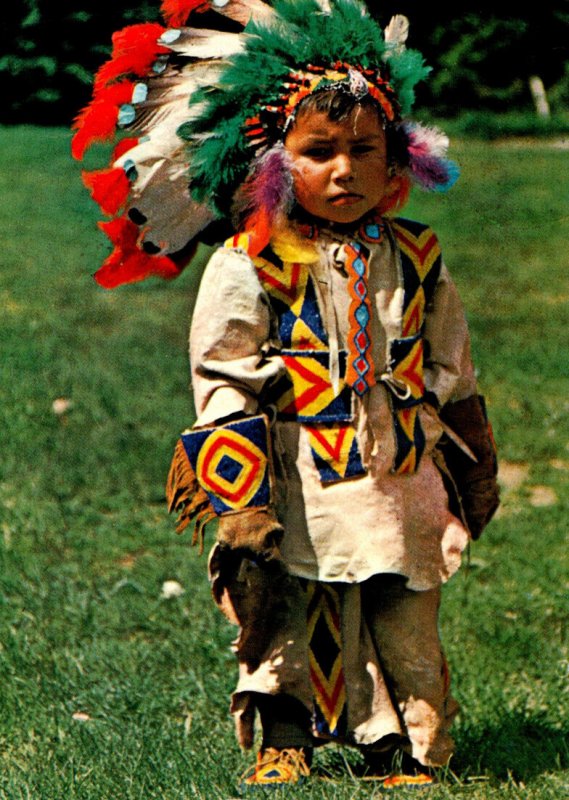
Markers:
point(421, 266)
point(326, 660)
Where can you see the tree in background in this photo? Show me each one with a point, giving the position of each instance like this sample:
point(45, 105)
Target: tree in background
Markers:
point(50, 50)
point(482, 57)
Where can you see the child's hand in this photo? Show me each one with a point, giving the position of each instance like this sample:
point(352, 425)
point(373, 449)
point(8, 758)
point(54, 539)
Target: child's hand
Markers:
point(256, 532)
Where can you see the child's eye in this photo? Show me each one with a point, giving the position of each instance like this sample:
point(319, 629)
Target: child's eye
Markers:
point(362, 149)
point(319, 153)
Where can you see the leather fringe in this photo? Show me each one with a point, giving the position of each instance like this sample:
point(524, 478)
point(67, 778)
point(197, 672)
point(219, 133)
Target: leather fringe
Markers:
point(185, 495)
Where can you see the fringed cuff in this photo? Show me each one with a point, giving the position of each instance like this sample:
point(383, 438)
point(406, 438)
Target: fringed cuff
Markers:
point(220, 470)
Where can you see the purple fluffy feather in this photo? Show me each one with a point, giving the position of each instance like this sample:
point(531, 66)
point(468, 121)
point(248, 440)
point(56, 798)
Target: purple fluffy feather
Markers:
point(434, 174)
point(269, 187)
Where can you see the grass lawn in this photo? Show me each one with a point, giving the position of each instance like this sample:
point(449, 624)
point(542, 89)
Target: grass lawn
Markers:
point(111, 690)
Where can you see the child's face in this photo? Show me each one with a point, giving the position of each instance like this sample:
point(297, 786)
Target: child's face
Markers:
point(340, 168)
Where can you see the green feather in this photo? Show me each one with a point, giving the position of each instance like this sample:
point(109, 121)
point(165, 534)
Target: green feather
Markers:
point(299, 34)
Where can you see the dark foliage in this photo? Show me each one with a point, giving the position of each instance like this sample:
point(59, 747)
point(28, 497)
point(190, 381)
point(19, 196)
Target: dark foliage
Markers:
point(50, 51)
point(482, 56)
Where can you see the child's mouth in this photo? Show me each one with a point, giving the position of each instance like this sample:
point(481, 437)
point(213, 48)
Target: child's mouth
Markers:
point(345, 199)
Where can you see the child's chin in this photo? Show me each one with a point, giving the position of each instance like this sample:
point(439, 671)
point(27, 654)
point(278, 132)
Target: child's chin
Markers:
point(346, 215)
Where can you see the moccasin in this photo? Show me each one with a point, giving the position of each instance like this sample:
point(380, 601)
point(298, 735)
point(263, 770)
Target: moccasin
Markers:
point(276, 766)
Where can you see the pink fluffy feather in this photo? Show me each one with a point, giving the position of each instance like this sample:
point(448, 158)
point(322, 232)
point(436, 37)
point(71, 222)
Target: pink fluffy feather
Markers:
point(428, 166)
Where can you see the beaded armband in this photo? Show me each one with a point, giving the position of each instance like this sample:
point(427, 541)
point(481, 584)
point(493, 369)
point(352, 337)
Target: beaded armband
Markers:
point(232, 464)
point(220, 470)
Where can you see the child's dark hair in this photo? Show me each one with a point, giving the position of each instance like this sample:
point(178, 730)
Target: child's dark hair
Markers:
point(339, 105)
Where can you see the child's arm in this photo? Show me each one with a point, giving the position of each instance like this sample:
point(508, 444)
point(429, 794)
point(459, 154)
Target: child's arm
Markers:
point(449, 372)
point(450, 377)
point(223, 466)
point(230, 339)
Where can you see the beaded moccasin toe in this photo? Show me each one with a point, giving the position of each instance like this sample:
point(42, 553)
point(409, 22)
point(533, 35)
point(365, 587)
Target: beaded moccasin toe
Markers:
point(410, 774)
point(273, 766)
point(418, 781)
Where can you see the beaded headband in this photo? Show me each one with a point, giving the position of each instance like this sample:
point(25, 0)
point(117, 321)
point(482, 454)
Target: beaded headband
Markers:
point(273, 121)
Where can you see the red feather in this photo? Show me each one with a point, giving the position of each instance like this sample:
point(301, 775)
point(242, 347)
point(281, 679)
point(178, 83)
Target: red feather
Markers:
point(259, 226)
point(122, 232)
point(176, 12)
point(124, 146)
point(128, 263)
point(135, 49)
point(98, 121)
point(109, 188)
point(135, 37)
point(131, 267)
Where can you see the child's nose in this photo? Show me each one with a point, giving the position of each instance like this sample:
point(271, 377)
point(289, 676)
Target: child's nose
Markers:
point(343, 166)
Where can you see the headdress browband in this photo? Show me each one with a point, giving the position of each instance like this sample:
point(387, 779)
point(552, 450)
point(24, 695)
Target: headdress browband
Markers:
point(273, 120)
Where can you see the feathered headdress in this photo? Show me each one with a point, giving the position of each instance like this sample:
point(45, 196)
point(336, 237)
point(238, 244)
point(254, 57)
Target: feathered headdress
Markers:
point(204, 111)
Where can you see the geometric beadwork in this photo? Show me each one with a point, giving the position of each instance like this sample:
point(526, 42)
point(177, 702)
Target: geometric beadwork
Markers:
point(421, 265)
point(420, 259)
point(325, 660)
point(406, 368)
point(360, 373)
point(231, 463)
point(409, 439)
point(372, 230)
point(293, 297)
point(335, 452)
point(305, 393)
point(241, 241)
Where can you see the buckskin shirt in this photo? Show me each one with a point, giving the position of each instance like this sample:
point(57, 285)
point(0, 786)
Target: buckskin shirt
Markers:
point(356, 488)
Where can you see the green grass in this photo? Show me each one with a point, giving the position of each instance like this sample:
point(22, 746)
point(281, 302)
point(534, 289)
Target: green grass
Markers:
point(85, 542)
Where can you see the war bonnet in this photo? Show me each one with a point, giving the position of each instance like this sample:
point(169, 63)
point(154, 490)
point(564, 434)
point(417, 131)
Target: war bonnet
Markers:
point(198, 111)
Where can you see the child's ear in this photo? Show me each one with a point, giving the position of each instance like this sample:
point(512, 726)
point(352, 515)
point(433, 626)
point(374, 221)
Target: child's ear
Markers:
point(396, 194)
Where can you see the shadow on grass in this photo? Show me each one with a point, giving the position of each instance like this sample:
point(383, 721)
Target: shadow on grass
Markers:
point(521, 746)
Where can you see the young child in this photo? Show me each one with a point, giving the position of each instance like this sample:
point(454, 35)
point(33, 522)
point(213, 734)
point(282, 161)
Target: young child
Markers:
point(340, 440)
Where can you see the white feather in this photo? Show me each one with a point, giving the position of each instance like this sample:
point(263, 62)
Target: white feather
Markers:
point(242, 11)
point(173, 217)
point(396, 33)
point(427, 138)
point(160, 190)
point(202, 43)
point(168, 96)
